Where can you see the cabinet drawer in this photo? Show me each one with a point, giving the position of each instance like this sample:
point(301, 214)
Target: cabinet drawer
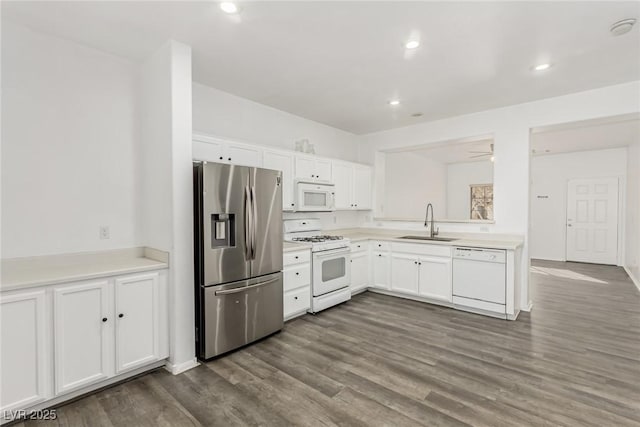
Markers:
point(297, 257)
point(297, 301)
point(422, 249)
point(381, 246)
point(359, 246)
point(297, 276)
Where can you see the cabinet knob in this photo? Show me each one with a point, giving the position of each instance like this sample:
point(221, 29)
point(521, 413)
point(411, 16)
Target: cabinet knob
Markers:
point(295, 297)
point(104, 319)
point(293, 204)
point(229, 158)
point(379, 254)
point(296, 256)
point(317, 176)
point(121, 315)
point(297, 273)
point(221, 157)
point(313, 176)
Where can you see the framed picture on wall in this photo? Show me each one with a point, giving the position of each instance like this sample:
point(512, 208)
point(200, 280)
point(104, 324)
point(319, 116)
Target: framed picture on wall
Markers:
point(481, 201)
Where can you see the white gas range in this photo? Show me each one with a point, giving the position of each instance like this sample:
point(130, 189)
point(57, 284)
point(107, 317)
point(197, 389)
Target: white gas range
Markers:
point(331, 262)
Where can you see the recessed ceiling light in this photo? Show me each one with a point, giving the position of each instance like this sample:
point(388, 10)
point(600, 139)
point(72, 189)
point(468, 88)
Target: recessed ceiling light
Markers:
point(394, 102)
point(542, 67)
point(412, 44)
point(622, 27)
point(229, 7)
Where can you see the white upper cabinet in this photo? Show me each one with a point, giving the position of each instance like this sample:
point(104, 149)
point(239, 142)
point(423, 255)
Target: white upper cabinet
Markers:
point(353, 186)
point(219, 151)
point(362, 178)
point(314, 168)
point(343, 180)
point(25, 351)
point(282, 161)
point(83, 329)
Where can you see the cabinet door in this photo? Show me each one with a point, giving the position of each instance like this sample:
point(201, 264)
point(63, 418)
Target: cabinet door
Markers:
point(343, 180)
point(359, 271)
point(380, 261)
point(83, 330)
point(404, 273)
point(282, 161)
point(305, 167)
point(25, 351)
point(137, 320)
point(435, 278)
point(323, 169)
point(362, 187)
point(243, 155)
point(210, 151)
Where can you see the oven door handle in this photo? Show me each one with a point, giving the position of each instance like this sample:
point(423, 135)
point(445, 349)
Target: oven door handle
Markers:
point(332, 253)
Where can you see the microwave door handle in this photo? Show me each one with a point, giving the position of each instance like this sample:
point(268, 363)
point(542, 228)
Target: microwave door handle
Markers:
point(247, 223)
point(332, 200)
point(254, 222)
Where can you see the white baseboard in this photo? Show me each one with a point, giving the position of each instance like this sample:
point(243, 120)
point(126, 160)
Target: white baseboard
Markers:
point(635, 280)
point(179, 368)
point(528, 307)
point(548, 259)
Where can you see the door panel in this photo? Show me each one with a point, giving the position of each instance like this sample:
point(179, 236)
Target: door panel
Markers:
point(284, 163)
point(380, 261)
point(224, 190)
point(83, 328)
point(323, 170)
point(359, 271)
point(362, 187)
point(305, 167)
point(137, 321)
point(592, 220)
point(267, 247)
point(343, 180)
point(25, 352)
point(435, 278)
point(243, 155)
point(404, 274)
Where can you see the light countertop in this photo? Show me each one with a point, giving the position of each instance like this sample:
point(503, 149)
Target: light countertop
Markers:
point(294, 246)
point(474, 240)
point(21, 273)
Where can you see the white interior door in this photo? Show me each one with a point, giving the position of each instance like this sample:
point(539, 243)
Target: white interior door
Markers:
point(592, 220)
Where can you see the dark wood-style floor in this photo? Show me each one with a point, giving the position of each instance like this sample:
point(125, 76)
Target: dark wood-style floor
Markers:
point(378, 360)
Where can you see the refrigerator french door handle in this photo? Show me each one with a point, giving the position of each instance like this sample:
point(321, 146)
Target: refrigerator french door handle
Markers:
point(254, 221)
point(248, 226)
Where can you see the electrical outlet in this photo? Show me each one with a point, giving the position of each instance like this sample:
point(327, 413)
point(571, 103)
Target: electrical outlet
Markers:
point(104, 232)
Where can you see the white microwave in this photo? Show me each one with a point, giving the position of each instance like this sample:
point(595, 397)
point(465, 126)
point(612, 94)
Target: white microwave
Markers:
point(314, 196)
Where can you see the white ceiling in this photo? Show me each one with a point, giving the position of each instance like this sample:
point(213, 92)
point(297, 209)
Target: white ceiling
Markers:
point(340, 62)
point(586, 136)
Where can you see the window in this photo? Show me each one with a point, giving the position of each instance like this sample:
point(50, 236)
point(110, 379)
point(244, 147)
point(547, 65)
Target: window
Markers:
point(482, 201)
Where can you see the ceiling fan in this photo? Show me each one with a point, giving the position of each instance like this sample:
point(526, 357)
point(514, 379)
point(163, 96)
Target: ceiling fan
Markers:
point(482, 153)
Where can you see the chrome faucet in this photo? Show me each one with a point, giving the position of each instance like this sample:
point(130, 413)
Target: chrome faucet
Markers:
point(432, 231)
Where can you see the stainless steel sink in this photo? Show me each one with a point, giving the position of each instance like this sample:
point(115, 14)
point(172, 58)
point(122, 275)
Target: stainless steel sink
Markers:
point(435, 239)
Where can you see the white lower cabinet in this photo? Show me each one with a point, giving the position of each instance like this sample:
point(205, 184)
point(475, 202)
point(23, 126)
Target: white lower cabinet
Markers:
point(381, 268)
point(435, 278)
point(25, 350)
point(297, 283)
point(100, 328)
point(404, 273)
point(137, 320)
point(359, 271)
point(83, 330)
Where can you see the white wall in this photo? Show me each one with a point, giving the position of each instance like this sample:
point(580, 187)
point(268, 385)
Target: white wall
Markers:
point(510, 127)
point(460, 177)
point(549, 176)
point(632, 229)
point(411, 182)
point(221, 114)
point(68, 146)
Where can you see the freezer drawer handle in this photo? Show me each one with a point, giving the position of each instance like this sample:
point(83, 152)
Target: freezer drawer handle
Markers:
point(245, 288)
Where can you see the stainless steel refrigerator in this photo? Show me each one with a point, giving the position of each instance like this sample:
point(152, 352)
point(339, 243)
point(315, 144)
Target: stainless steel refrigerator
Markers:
point(238, 256)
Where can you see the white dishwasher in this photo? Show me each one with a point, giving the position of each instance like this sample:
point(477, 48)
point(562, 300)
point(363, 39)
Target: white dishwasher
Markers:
point(479, 279)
